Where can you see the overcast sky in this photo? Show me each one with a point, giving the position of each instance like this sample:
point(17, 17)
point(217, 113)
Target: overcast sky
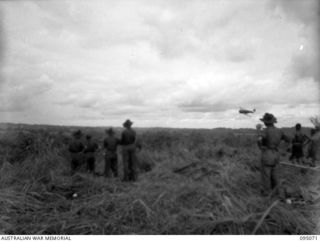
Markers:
point(175, 63)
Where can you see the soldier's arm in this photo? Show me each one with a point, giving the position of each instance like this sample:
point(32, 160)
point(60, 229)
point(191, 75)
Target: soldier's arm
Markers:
point(261, 137)
point(306, 140)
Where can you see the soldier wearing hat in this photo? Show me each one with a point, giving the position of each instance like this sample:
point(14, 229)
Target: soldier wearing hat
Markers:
point(76, 148)
point(110, 144)
point(269, 141)
point(129, 156)
point(90, 149)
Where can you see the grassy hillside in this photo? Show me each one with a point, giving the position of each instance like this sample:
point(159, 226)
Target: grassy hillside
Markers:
point(190, 182)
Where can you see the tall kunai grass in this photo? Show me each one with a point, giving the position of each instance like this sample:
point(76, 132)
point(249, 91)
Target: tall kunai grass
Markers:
point(190, 182)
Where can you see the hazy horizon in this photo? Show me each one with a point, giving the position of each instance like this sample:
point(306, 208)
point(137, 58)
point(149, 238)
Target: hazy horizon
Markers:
point(179, 64)
point(146, 127)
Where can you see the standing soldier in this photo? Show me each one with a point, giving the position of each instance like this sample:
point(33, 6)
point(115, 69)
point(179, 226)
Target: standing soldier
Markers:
point(129, 156)
point(111, 143)
point(269, 141)
point(90, 149)
point(298, 143)
point(314, 147)
point(76, 148)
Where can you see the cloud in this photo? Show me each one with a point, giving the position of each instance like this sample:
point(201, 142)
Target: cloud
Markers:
point(89, 116)
point(18, 104)
point(239, 52)
point(95, 25)
point(259, 94)
point(306, 11)
point(201, 30)
point(204, 107)
point(304, 66)
point(305, 63)
point(81, 100)
point(17, 96)
point(161, 62)
point(2, 38)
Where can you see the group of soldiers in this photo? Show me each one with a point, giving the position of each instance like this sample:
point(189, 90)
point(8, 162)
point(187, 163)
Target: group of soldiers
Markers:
point(269, 141)
point(299, 141)
point(80, 151)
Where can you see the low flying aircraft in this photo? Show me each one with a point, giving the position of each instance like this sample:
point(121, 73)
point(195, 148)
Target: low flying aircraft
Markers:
point(246, 111)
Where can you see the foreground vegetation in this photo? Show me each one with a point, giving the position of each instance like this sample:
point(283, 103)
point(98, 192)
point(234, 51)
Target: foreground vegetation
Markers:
point(190, 182)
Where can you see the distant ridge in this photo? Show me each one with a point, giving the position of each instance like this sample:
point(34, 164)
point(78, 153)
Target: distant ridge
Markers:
point(7, 125)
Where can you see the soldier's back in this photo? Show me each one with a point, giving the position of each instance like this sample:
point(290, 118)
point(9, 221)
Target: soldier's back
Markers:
point(111, 143)
point(128, 137)
point(272, 137)
point(76, 146)
point(91, 147)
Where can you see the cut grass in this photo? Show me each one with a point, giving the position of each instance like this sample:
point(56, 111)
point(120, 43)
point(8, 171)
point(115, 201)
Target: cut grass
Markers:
point(184, 193)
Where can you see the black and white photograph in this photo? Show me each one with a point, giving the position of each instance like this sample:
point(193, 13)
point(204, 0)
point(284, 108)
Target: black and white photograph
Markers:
point(159, 117)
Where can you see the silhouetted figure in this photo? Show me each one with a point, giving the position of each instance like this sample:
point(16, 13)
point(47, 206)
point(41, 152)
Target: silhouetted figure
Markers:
point(76, 148)
point(269, 141)
point(314, 146)
point(298, 143)
point(90, 150)
point(129, 146)
point(111, 143)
